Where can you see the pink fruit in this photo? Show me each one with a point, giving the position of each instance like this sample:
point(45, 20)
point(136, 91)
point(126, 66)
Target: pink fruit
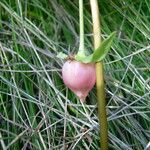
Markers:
point(79, 77)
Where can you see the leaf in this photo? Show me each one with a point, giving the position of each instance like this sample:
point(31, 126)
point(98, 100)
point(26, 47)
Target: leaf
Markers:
point(99, 53)
point(103, 49)
point(62, 55)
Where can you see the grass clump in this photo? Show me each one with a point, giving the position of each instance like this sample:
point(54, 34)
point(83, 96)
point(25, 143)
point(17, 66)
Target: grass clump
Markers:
point(37, 111)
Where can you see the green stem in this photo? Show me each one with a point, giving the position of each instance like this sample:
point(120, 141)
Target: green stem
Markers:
point(81, 46)
point(100, 79)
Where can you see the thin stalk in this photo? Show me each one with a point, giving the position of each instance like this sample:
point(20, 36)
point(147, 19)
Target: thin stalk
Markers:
point(100, 78)
point(81, 20)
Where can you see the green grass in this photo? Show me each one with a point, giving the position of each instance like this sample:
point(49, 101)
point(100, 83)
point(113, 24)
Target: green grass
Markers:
point(37, 110)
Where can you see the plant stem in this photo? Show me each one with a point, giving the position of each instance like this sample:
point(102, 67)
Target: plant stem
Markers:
point(81, 46)
point(100, 78)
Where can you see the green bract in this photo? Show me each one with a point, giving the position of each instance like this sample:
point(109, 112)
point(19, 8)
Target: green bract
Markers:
point(62, 55)
point(98, 54)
